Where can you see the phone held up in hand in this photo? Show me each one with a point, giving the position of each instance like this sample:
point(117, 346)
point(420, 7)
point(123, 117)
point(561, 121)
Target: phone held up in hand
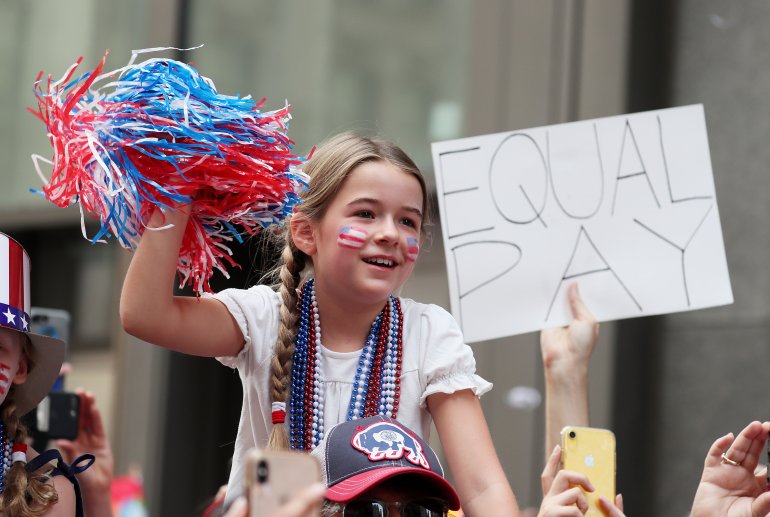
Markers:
point(273, 478)
point(591, 451)
point(55, 417)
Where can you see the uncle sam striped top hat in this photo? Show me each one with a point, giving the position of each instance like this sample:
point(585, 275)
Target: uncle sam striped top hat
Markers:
point(47, 352)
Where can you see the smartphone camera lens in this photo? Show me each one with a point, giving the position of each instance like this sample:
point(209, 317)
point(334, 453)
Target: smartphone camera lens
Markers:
point(262, 471)
point(572, 434)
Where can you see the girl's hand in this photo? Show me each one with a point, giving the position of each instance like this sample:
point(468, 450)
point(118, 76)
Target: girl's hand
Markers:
point(728, 486)
point(562, 494)
point(568, 348)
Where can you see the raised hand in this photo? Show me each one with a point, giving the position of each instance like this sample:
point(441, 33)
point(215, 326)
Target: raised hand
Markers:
point(96, 481)
point(728, 486)
point(566, 353)
point(570, 347)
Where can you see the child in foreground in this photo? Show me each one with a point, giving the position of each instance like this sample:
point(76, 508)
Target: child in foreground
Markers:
point(29, 365)
point(336, 345)
point(334, 342)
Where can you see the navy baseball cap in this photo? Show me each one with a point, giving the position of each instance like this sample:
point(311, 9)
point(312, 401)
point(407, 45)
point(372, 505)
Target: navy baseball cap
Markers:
point(357, 455)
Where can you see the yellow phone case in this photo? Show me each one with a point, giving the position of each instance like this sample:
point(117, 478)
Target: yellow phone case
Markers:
point(591, 451)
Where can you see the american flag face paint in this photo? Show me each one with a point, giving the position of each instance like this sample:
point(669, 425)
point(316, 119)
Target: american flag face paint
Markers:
point(352, 237)
point(412, 249)
point(6, 375)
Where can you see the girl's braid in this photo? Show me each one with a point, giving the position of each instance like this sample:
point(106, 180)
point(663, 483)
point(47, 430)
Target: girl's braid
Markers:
point(280, 367)
point(25, 494)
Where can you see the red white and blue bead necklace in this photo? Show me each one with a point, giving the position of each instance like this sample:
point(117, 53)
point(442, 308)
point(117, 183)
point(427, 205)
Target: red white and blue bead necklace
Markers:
point(376, 388)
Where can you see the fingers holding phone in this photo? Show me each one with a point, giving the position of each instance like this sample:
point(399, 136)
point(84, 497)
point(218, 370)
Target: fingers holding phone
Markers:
point(306, 504)
point(562, 488)
point(91, 436)
point(591, 452)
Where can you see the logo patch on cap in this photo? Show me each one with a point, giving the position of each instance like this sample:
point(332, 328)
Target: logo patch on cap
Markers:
point(384, 441)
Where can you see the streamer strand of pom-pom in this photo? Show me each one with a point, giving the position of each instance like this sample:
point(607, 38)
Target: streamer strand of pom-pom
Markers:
point(157, 134)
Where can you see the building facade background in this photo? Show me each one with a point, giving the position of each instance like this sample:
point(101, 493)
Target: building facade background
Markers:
point(419, 71)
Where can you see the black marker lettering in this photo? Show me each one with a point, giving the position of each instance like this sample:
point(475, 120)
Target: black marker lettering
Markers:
point(529, 168)
point(668, 173)
point(599, 265)
point(600, 169)
point(624, 175)
point(682, 249)
point(453, 234)
point(493, 275)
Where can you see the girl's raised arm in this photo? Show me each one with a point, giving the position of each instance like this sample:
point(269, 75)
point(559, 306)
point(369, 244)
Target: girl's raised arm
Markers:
point(150, 311)
point(479, 478)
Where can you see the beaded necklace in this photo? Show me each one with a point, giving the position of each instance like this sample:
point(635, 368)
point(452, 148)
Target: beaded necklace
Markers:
point(376, 386)
point(6, 447)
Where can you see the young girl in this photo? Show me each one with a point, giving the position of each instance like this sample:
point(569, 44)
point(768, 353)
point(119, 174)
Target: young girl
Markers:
point(334, 342)
point(29, 365)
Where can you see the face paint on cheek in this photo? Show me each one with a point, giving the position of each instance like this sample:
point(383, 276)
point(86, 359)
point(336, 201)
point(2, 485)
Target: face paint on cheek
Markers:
point(5, 378)
point(352, 237)
point(412, 249)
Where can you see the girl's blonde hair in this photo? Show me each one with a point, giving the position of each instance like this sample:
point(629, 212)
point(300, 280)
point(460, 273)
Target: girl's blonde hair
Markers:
point(25, 493)
point(328, 168)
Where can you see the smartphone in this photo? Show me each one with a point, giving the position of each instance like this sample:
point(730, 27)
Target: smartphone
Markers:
point(53, 323)
point(275, 477)
point(591, 451)
point(56, 417)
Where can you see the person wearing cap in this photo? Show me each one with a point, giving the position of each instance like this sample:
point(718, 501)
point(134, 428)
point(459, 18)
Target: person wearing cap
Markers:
point(376, 466)
point(373, 467)
point(29, 365)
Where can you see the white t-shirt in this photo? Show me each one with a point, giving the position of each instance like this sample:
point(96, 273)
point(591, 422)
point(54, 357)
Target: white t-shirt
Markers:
point(435, 360)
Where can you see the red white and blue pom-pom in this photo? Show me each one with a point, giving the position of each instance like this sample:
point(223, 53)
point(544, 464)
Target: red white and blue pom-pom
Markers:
point(157, 134)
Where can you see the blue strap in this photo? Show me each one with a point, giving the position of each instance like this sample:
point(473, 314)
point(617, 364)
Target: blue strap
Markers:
point(68, 470)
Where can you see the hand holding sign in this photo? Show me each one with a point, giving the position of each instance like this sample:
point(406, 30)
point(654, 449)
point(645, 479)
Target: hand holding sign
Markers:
point(623, 205)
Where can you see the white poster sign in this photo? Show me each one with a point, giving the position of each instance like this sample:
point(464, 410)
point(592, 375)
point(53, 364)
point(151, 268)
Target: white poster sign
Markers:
point(625, 206)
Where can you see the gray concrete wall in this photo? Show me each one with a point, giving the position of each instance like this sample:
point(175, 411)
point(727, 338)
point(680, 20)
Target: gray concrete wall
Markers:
point(699, 375)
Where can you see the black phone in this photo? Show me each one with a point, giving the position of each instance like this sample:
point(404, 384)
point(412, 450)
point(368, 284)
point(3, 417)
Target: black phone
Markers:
point(53, 323)
point(56, 417)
